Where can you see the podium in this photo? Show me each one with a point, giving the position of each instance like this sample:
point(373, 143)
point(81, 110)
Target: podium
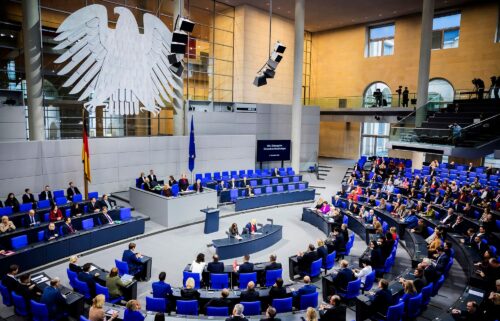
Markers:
point(211, 220)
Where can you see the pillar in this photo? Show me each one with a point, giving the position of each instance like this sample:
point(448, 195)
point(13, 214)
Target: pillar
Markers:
point(178, 99)
point(33, 66)
point(297, 83)
point(424, 64)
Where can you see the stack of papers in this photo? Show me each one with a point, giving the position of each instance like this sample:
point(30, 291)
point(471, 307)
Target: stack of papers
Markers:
point(126, 278)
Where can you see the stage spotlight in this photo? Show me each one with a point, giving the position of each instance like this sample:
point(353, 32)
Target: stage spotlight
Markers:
point(175, 58)
point(272, 64)
point(269, 73)
point(279, 47)
point(260, 80)
point(185, 24)
point(269, 68)
point(180, 37)
point(178, 48)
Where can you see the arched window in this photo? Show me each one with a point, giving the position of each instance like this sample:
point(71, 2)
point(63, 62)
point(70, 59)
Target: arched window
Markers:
point(440, 90)
point(370, 95)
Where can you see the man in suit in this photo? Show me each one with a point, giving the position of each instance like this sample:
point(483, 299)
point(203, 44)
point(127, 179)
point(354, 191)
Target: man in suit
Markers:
point(246, 266)
point(86, 277)
point(152, 176)
point(307, 288)
point(470, 168)
point(437, 199)
point(249, 295)
point(105, 218)
point(278, 291)
point(469, 239)
point(430, 273)
point(106, 201)
point(459, 226)
point(28, 196)
point(220, 302)
point(46, 194)
point(67, 227)
point(427, 195)
point(215, 266)
point(244, 182)
point(237, 314)
point(232, 184)
point(382, 298)
point(71, 191)
point(273, 265)
point(343, 278)
point(449, 219)
point(31, 219)
point(270, 315)
point(305, 259)
point(442, 260)
point(9, 280)
point(27, 289)
point(339, 243)
point(54, 300)
point(334, 311)
point(93, 206)
point(337, 202)
point(197, 187)
point(419, 282)
point(133, 260)
point(471, 313)
point(161, 289)
point(479, 245)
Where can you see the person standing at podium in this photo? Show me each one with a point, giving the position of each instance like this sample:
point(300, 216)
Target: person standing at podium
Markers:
point(233, 230)
point(251, 227)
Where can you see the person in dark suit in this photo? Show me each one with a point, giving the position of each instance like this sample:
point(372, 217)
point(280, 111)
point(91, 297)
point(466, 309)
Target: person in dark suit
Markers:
point(106, 201)
point(104, 217)
point(152, 176)
point(27, 289)
point(147, 185)
point(220, 302)
point(249, 295)
point(322, 250)
point(339, 243)
point(273, 265)
point(12, 201)
point(479, 245)
point(270, 315)
point(28, 197)
point(382, 298)
point(9, 280)
point(471, 313)
point(31, 219)
point(171, 181)
point(430, 273)
point(334, 311)
point(183, 183)
point(276, 172)
point(277, 291)
point(244, 182)
point(246, 266)
point(73, 264)
point(469, 237)
point(232, 184)
point(197, 187)
point(305, 259)
point(71, 191)
point(307, 288)
point(67, 227)
point(86, 277)
point(76, 209)
point(343, 278)
point(419, 282)
point(251, 227)
point(51, 232)
point(133, 259)
point(46, 194)
point(93, 206)
point(189, 292)
point(237, 314)
point(376, 259)
point(161, 289)
point(54, 300)
point(215, 266)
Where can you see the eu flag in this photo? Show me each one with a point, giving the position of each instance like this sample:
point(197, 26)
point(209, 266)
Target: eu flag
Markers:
point(192, 149)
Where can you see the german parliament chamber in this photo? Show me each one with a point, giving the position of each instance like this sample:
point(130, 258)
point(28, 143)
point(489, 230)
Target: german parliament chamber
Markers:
point(249, 160)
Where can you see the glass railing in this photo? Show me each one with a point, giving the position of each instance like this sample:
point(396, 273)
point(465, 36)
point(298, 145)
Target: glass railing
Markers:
point(347, 102)
point(478, 133)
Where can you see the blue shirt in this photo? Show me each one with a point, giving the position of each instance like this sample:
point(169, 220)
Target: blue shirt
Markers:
point(161, 289)
point(411, 221)
point(130, 258)
point(54, 301)
point(130, 315)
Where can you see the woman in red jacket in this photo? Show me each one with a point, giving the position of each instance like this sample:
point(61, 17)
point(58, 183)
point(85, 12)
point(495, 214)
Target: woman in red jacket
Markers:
point(55, 214)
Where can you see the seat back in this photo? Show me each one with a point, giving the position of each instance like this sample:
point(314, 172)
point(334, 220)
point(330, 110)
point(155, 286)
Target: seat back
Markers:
point(99, 289)
point(93, 195)
point(218, 311)
point(58, 193)
point(196, 276)
point(430, 230)
point(353, 288)
point(426, 294)
point(282, 305)
point(187, 307)
point(125, 213)
point(291, 187)
point(19, 242)
point(414, 306)
point(285, 180)
point(198, 176)
point(175, 189)
point(44, 204)
point(6, 296)
point(369, 280)
point(6, 211)
point(156, 304)
point(316, 268)
point(25, 207)
point(245, 278)
point(329, 261)
point(77, 198)
point(219, 281)
point(233, 194)
point(272, 275)
point(41, 235)
point(309, 300)
point(82, 318)
point(82, 288)
point(395, 312)
point(279, 188)
point(274, 181)
point(295, 179)
point(438, 285)
point(71, 277)
point(257, 191)
point(88, 224)
point(122, 267)
point(269, 189)
point(302, 186)
point(39, 311)
point(266, 181)
point(251, 308)
point(61, 201)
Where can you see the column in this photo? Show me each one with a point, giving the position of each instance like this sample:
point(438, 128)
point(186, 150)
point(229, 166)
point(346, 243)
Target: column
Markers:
point(424, 64)
point(33, 66)
point(297, 83)
point(178, 99)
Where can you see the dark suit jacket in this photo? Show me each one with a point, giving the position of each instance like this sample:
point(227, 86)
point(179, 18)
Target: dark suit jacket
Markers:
point(219, 302)
point(75, 268)
point(27, 219)
point(197, 188)
point(442, 262)
point(28, 198)
point(215, 267)
point(89, 279)
point(190, 294)
point(92, 207)
point(339, 243)
point(249, 296)
point(335, 313)
point(273, 266)
point(70, 192)
point(306, 260)
point(231, 186)
point(43, 196)
point(381, 301)
point(376, 259)
point(419, 283)
point(54, 300)
point(322, 252)
point(343, 278)
point(246, 267)
point(68, 229)
point(183, 184)
point(278, 293)
point(24, 291)
point(236, 318)
point(152, 178)
point(10, 283)
point(430, 274)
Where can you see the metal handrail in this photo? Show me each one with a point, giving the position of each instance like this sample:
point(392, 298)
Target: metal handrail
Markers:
point(479, 123)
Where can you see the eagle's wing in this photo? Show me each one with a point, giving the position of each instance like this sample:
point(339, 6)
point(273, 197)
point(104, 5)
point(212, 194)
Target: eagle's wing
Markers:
point(85, 32)
point(157, 39)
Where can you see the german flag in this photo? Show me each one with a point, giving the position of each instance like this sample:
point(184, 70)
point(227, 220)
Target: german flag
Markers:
point(85, 149)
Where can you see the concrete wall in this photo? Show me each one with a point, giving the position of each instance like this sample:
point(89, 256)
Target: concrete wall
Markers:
point(116, 162)
point(339, 139)
point(12, 124)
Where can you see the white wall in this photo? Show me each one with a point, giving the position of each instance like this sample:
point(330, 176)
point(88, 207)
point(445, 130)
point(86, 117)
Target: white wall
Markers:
point(116, 162)
point(12, 123)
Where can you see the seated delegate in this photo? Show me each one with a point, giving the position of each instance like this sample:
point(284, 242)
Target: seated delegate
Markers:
point(251, 227)
point(114, 284)
point(215, 266)
point(51, 232)
point(72, 191)
point(189, 292)
point(133, 260)
point(28, 197)
point(12, 202)
point(221, 301)
point(54, 300)
point(55, 214)
point(233, 230)
point(6, 225)
point(133, 311)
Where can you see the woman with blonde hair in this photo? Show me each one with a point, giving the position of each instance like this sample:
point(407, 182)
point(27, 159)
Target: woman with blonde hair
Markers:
point(409, 291)
point(73, 264)
point(189, 292)
point(311, 314)
point(96, 312)
point(132, 311)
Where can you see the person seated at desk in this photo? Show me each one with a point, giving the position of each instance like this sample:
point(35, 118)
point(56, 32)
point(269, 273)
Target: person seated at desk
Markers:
point(420, 229)
point(142, 179)
point(183, 183)
point(46, 194)
point(430, 273)
point(479, 246)
point(325, 208)
point(469, 237)
point(51, 232)
point(305, 259)
point(189, 292)
point(366, 269)
point(419, 282)
point(273, 265)
point(215, 266)
point(382, 299)
point(72, 191)
point(459, 226)
point(106, 201)
point(340, 241)
point(233, 230)
point(167, 190)
point(491, 274)
point(12, 201)
point(76, 209)
point(321, 250)
point(449, 219)
point(243, 182)
point(27, 289)
point(376, 257)
point(232, 184)
point(133, 260)
point(368, 216)
point(6, 225)
point(343, 277)
point(54, 300)
point(55, 214)
point(197, 187)
point(409, 292)
point(270, 315)
point(377, 226)
point(147, 185)
point(278, 291)
point(133, 311)
point(307, 288)
point(471, 313)
point(435, 244)
point(28, 197)
point(114, 283)
point(86, 277)
point(442, 260)
point(93, 206)
point(9, 280)
point(334, 310)
point(198, 265)
point(161, 289)
point(249, 190)
point(96, 311)
point(237, 314)
point(250, 294)
point(276, 172)
point(152, 176)
point(67, 227)
point(73, 264)
point(251, 227)
point(104, 217)
point(221, 186)
point(246, 266)
point(220, 302)
point(411, 220)
point(171, 181)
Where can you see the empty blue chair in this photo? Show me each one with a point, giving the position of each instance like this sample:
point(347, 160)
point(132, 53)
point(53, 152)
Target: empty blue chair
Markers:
point(282, 305)
point(99, 289)
point(245, 278)
point(77, 198)
point(187, 307)
point(25, 207)
point(266, 182)
point(241, 173)
point(295, 179)
point(395, 312)
point(438, 285)
point(6, 296)
point(88, 224)
point(234, 174)
point(369, 280)
point(269, 190)
point(353, 289)
point(426, 294)
point(125, 214)
point(41, 235)
point(329, 261)
point(19, 242)
point(316, 268)
point(257, 191)
point(122, 267)
point(253, 183)
point(430, 230)
point(39, 311)
point(251, 308)
point(218, 311)
point(414, 306)
point(93, 195)
point(291, 187)
point(83, 288)
point(156, 304)
point(219, 281)
point(61, 201)
point(6, 210)
point(58, 193)
point(272, 275)
point(217, 176)
point(198, 176)
point(225, 173)
point(279, 188)
point(285, 180)
point(274, 181)
point(208, 176)
point(250, 172)
point(309, 300)
point(196, 276)
point(233, 194)
point(302, 186)
point(44, 204)
point(71, 277)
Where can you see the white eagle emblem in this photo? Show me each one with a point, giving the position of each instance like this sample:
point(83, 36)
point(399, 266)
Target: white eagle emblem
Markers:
point(120, 65)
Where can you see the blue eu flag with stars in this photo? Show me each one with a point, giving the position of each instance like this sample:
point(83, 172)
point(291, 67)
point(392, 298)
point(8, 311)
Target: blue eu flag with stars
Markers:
point(192, 149)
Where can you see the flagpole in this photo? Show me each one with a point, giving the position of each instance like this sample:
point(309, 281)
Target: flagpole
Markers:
point(85, 181)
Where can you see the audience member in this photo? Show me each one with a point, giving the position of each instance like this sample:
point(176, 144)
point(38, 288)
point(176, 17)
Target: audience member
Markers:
point(183, 183)
point(114, 283)
point(93, 206)
point(9, 280)
point(270, 315)
point(343, 277)
point(220, 302)
point(161, 289)
point(471, 313)
point(12, 201)
point(72, 191)
point(311, 314)
point(46, 194)
point(96, 311)
point(198, 265)
point(51, 232)
point(6, 225)
point(133, 311)
point(105, 218)
point(382, 298)
point(333, 311)
point(133, 260)
point(55, 214)
point(106, 201)
point(189, 292)
point(250, 294)
point(273, 265)
point(28, 197)
point(237, 314)
point(76, 209)
point(152, 176)
point(54, 300)
point(86, 277)
point(366, 269)
point(31, 219)
point(278, 291)
point(246, 266)
point(67, 227)
point(215, 266)
point(73, 264)
point(305, 259)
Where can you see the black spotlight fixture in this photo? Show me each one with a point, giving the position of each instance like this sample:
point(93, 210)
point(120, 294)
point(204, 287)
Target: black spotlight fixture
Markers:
point(279, 47)
point(177, 68)
point(269, 68)
point(180, 37)
point(185, 24)
point(269, 73)
point(260, 80)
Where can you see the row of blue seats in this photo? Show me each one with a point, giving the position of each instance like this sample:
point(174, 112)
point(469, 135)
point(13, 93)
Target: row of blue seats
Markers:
point(250, 173)
point(407, 162)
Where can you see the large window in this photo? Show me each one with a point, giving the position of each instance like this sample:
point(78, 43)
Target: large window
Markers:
point(381, 40)
point(440, 90)
point(374, 137)
point(378, 94)
point(446, 31)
